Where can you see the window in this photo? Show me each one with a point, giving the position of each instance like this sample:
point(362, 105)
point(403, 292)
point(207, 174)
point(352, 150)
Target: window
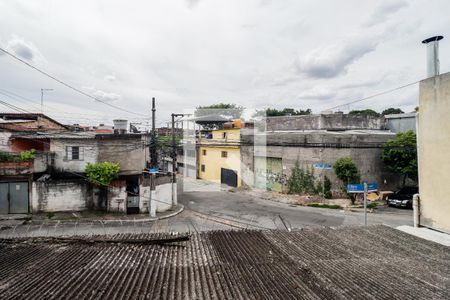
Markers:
point(204, 151)
point(203, 168)
point(74, 153)
point(224, 135)
point(224, 154)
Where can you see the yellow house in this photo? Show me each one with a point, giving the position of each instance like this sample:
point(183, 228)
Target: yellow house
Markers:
point(219, 156)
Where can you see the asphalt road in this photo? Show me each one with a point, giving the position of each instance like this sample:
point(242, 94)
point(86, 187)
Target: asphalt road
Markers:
point(215, 210)
point(255, 212)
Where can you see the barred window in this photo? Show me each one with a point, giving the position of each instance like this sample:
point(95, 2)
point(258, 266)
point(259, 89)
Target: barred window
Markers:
point(74, 153)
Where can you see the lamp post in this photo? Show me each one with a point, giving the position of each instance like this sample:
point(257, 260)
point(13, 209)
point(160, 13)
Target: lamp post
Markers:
point(42, 98)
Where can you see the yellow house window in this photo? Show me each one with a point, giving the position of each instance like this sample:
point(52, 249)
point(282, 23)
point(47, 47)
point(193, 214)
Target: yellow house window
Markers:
point(204, 151)
point(203, 168)
point(224, 135)
point(224, 154)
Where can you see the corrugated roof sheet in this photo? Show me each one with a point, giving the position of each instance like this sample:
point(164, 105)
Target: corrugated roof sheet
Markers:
point(373, 262)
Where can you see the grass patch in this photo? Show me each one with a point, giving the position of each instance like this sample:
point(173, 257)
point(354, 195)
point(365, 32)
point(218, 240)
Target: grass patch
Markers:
point(321, 205)
point(372, 205)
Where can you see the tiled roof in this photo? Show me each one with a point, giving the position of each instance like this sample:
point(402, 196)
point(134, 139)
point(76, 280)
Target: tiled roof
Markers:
point(373, 262)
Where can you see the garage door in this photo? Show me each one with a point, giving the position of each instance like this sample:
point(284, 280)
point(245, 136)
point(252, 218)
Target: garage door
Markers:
point(228, 177)
point(14, 198)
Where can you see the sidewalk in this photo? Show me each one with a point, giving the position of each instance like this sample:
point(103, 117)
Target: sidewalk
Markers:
point(427, 234)
point(98, 216)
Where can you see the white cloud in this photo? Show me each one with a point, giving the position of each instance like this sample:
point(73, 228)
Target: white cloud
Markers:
point(23, 49)
point(110, 77)
point(101, 95)
point(334, 60)
point(384, 10)
point(318, 93)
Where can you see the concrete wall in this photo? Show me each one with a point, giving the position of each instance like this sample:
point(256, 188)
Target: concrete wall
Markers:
point(214, 161)
point(336, 121)
point(324, 147)
point(117, 199)
point(5, 144)
point(61, 195)
point(434, 152)
point(128, 151)
point(87, 146)
point(401, 122)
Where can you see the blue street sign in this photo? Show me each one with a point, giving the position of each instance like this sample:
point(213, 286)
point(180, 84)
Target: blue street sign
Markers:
point(359, 187)
point(323, 166)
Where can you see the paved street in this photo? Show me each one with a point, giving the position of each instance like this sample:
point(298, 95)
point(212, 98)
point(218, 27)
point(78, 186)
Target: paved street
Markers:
point(215, 210)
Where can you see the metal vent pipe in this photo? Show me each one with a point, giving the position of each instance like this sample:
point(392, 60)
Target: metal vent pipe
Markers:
point(433, 55)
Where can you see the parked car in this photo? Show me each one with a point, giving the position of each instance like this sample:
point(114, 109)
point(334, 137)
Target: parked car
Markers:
point(402, 198)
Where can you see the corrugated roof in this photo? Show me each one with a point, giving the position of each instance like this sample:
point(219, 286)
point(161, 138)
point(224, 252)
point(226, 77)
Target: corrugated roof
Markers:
point(375, 262)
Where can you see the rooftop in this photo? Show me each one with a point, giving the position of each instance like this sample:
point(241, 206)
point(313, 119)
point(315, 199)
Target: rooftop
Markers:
point(375, 262)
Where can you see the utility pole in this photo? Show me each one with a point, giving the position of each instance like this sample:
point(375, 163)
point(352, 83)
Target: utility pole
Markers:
point(42, 104)
point(174, 146)
point(153, 154)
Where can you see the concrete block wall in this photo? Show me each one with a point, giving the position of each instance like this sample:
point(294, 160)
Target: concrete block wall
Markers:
point(117, 199)
point(61, 195)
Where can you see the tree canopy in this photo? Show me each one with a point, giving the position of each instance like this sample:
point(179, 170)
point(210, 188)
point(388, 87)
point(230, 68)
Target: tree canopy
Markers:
point(346, 170)
point(400, 155)
point(102, 173)
point(273, 112)
point(365, 112)
point(392, 111)
point(220, 109)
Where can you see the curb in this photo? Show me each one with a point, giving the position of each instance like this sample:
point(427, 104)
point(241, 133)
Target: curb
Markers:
point(179, 209)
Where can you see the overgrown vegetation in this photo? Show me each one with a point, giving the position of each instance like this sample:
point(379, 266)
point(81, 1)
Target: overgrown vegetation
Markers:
point(301, 181)
point(323, 205)
point(23, 156)
point(273, 112)
point(400, 155)
point(327, 188)
point(102, 173)
point(392, 111)
point(347, 171)
point(365, 112)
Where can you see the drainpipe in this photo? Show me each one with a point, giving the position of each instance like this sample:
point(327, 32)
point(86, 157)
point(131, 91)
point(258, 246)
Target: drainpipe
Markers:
point(416, 210)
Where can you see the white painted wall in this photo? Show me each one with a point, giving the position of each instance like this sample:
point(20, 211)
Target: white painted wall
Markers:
point(117, 199)
point(58, 196)
point(90, 152)
point(4, 141)
point(163, 197)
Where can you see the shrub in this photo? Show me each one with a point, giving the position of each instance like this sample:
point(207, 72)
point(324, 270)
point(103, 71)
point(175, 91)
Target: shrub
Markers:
point(320, 205)
point(302, 181)
point(347, 171)
point(327, 188)
point(102, 173)
point(28, 155)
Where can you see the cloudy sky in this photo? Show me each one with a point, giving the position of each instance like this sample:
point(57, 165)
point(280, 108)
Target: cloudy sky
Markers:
point(257, 53)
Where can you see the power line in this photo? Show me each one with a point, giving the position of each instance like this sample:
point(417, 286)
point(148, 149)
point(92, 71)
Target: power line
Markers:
point(375, 95)
point(68, 85)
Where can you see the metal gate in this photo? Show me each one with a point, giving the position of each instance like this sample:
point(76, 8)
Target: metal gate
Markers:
point(228, 177)
point(14, 197)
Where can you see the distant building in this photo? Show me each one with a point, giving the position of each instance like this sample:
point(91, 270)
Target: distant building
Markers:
point(219, 157)
point(56, 181)
point(434, 152)
point(314, 141)
point(29, 122)
point(401, 122)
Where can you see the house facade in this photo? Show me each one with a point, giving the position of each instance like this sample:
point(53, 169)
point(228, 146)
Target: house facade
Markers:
point(219, 156)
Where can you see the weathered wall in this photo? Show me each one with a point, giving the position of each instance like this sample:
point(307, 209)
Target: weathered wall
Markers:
point(117, 199)
point(214, 161)
point(129, 152)
point(89, 149)
point(434, 152)
point(163, 195)
point(322, 147)
point(335, 121)
point(401, 122)
point(5, 144)
point(61, 195)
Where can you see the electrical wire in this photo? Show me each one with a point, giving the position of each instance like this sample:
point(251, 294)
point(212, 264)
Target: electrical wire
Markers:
point(68, 85)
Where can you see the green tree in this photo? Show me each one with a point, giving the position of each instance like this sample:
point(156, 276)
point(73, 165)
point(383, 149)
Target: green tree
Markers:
point(347, 171)
point(392, 111)
point(273, 112)
point(327, 188)
point(400, 155)
point(102, 173)
point(224, 109)
point(364, 112)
